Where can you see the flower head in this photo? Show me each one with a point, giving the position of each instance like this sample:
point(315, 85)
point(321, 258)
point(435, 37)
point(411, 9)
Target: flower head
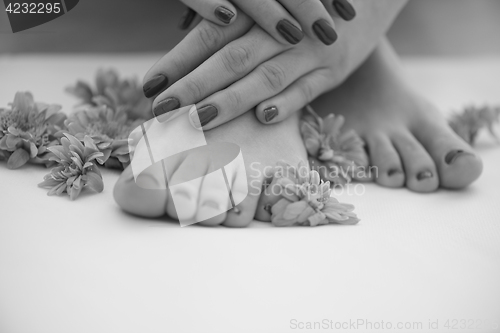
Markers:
point(108, 128)
point(123, 95)
point(27, 129)
point(303, 199)
point(336, 155)
point(472, 119)
point(76, 167)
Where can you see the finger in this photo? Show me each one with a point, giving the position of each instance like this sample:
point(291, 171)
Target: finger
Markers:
point(265, 81)
point(187, 19)
point(220, 12)
point(230, 64)
point(295, 97)
point(314, 19)
point(274, 19)
point(343, 9)
point(201, 42)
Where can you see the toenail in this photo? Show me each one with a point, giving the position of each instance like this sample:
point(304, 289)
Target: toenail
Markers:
point(236, 210)
point(424, 175)
point(210, 203)
point(392, 172)
point(267, 208)
point(182, 193)
point(452, 156)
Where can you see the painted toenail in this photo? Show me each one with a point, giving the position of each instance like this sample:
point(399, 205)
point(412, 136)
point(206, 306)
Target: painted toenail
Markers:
point(452, 156)
point(392, 172)
point(424, 175)
point(211, 203)
point(181, 193)
point(267, 208)
point(236, 210)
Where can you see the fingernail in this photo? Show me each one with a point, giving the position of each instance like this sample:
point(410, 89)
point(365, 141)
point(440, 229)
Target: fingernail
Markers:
point(223, 14)
point(345, 9)
point(270, 113)
point(392, 172)
point(187, 18)
point(156, 84)
point(166, 105)
point(204, 115)
point(424, 175)
point(452, 156)
point(291, 33)
point(325, 32)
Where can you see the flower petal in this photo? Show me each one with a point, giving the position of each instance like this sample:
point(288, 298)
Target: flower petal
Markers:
point(18, 159)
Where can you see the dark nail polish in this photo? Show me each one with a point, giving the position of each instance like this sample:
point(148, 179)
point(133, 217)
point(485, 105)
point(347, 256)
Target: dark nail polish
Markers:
point(187, 18)
point(344, 9)
point(291, 33)
point(452, 156)
point(206, 114)
point(156, 84)
point(166, 105)
point(424, 175)
point(270, 113)
point(325, 32)
point(223, 14)
point(392, 172)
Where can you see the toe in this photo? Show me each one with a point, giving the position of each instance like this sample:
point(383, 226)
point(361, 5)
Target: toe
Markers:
point(145, 198)
point(243, 214)
point(384, 157)
point(420, 170)
point(457, 165)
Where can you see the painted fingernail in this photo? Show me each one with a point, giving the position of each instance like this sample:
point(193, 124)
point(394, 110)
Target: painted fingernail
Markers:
point(325, 32)
point(224, 14)
point(166, 105)
point(452, 156)
point(392, 172)
point(156, 84)
point(204, 115)
point(290, 32)
point(424, 175)
point(344, 9)
point(270, 113)
point(187, 18)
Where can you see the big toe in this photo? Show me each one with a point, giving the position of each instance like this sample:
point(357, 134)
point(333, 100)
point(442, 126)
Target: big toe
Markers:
point(146, 197)
point(458, 166)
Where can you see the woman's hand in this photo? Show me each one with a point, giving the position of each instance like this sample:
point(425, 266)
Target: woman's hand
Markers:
point(285, 20)
point(247, 68)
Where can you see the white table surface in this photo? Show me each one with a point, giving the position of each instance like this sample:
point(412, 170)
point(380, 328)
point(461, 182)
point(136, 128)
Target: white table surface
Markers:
point(85, 266)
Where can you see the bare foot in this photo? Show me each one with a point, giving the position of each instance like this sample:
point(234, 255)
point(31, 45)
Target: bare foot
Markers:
point(408, 140)
point(261, 146)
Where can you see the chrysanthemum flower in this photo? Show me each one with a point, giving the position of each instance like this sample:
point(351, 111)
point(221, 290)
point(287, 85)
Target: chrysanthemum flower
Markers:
point(338, 156)
point(303, 199)
point(472, 119)
point(27, 129)
point(76, 167)
point(123, 95)
point(108, 128)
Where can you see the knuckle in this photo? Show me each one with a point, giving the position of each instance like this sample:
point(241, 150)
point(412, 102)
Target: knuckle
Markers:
point(234, 98)
point(209, 36)
point(273, 76)
point(237, 58)
point(195, 89)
